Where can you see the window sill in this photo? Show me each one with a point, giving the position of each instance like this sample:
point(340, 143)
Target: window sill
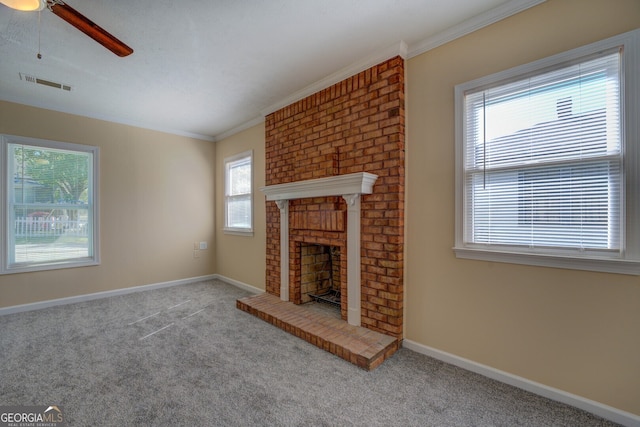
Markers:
point(605, 265)
point(29, 268)
point(238, 232)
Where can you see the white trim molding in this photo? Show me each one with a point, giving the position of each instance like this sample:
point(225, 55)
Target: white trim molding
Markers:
point(98, 295)
point(244, 126)
point(353, 183)
point(106, 294)
point(283, 205)
point(239, 284)
point(350, 187)
point(397, 49)
point(608, 412)
point(623, 257)
point(401, 49)
point(353, 258)
point(470, 25)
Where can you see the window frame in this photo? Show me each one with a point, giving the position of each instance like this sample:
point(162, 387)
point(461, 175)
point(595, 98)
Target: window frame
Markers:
point(227, 163)
point(627, 261)
point(5, 193)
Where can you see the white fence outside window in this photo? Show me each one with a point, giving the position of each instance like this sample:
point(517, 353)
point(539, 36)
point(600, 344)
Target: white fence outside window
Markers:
point(27, 227)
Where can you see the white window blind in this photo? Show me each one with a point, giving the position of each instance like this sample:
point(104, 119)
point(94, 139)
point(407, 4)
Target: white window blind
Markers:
point(50, 206)
point(238, 198)
point(543, 159)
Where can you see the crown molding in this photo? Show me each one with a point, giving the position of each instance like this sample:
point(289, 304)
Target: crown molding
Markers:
point(240, 128)
point(397, 49)
point(402, 49)
point(473, 24)
point(110, 119)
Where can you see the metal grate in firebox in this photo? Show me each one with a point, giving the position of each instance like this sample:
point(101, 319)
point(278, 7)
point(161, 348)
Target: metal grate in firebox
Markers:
point(331, 297)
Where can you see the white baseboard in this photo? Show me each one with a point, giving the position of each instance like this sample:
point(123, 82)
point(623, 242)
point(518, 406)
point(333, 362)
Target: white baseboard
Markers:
point(604, 411)
point(241, 285)
point(88, 297)
point(610, 413)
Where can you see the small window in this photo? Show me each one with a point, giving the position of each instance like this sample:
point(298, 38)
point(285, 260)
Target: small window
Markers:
point(238, 193)
point(542, 155)
point(51, 210)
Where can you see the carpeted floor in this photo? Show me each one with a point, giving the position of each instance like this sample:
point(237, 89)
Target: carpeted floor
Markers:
point(186, 356)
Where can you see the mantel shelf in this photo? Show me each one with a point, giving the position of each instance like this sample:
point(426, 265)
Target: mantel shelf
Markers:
point(353, 183)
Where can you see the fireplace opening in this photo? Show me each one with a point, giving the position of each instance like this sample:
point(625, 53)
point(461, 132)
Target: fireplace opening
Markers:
point(320, 274)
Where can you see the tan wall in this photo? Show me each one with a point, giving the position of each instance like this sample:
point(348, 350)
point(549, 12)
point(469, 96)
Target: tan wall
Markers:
point(572, 330)
point(242, 258)
point(576, 331)
point(156, 200)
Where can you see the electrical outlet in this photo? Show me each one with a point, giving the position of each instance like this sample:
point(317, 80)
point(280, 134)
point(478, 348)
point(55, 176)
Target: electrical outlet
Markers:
point(196, 250)
point(203, 245)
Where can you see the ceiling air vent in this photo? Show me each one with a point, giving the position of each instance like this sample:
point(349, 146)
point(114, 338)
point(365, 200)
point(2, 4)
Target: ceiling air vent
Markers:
point(37, 80)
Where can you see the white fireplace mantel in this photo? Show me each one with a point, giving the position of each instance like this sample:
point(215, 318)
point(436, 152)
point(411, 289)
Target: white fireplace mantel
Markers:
point(350, 187)
point(353, 183)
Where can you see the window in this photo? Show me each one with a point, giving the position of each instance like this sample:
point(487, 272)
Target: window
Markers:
point(49, 218)
point(238, 204)
point(546, 161)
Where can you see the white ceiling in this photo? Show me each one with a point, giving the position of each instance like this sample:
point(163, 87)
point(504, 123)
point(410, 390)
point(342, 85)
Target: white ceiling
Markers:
point(208, 68)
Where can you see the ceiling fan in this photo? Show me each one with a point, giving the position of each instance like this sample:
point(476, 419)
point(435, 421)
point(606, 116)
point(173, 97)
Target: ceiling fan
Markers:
point(75, 18)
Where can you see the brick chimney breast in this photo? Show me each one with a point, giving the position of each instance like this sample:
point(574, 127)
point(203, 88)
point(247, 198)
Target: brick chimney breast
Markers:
point(356, 125)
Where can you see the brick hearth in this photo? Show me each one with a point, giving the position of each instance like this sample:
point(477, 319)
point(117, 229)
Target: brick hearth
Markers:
point(363, 347)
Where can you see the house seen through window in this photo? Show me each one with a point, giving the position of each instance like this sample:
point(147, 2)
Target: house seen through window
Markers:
point(541, 160)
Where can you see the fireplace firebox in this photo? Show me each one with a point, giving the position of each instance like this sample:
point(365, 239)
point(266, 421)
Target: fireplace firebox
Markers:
point(320, 274)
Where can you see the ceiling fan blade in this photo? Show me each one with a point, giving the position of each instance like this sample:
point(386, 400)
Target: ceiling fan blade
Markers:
point(88, 27)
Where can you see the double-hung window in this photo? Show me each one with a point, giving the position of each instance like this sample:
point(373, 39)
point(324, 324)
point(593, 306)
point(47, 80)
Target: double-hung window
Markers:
point(547, 161)
point(49, 211)
point(238, 201)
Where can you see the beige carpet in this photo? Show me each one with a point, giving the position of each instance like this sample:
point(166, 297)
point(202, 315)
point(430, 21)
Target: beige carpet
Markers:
point(186, 356)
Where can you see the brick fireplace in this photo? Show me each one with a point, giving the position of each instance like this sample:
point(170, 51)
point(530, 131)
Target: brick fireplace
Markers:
point(325, 225)
point(335, 177)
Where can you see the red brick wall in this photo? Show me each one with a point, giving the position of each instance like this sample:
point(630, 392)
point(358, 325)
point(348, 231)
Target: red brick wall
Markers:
point(356, 125)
